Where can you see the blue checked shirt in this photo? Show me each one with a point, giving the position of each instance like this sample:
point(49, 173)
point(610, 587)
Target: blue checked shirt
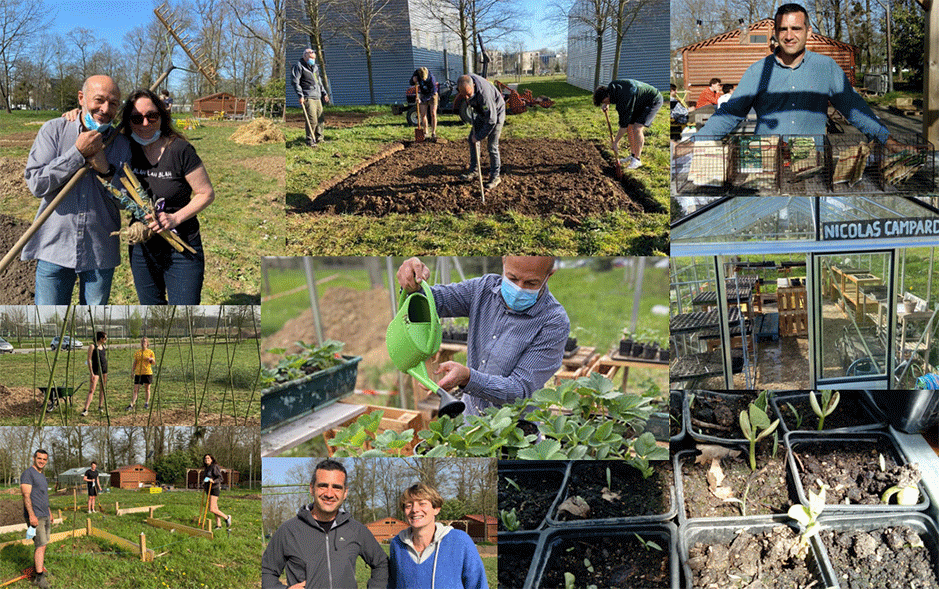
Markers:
point(794, 101)
point(510, 354)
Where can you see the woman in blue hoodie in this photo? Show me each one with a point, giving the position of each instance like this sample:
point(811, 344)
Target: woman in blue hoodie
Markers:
point(428, 554)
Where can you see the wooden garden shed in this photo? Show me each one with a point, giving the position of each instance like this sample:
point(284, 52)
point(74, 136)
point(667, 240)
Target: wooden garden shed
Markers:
point(194, 478)
point(481, 528)
point(220, 102)
point(727, 56)
point(132, 477)
point(386, 528)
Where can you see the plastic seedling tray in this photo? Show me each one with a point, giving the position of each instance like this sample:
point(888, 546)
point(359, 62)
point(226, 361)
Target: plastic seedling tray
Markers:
point(514, 550)
point(723, 532)
point(799, 442)
point(694, 431)
point(520, 470)
point(909, 411)
point(924, 526)
point(615, 465)
point(289, 401)
point(665, 534)
point(676, 400)
point(850, 400)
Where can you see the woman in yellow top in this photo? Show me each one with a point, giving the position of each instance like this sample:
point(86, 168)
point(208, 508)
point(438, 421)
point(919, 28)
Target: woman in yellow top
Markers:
point(144, 359)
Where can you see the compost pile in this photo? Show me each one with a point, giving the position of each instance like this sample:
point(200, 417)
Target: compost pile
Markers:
point(539, 177)
point(257, 132)
point(17, 281)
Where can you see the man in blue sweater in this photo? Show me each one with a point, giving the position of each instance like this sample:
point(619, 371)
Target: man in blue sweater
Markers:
point(791, 88)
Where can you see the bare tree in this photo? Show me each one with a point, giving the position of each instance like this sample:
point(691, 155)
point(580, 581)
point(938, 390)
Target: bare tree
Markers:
point(588, 19)
point(315, 27)
point(623, 14)
point(367, 23)
point(21, 24)
point(455, 16)
point(264, 21)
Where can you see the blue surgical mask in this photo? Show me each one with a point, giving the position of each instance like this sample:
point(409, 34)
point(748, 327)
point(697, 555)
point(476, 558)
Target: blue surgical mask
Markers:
point(516, 297)
point(143, 141)
point(311, 61)
point(92, 125)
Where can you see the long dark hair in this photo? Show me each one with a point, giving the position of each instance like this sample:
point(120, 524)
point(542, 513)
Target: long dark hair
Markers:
point(167, 129)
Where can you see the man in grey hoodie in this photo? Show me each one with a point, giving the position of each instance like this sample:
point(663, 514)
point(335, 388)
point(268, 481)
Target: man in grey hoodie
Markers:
point(319, 547)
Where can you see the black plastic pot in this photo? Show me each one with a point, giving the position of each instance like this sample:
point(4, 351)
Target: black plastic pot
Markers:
point(701, 437)
point(800, 442)
point(924, 526)
point(907, 411)
point(676, 399)
point(663, 355)
point(515, 549)
point(870, 422)
point(571, 344)
point(519, 470)
point(625, 347)
point(650, 351)
point(665, 534)
point(724, 531)
point(286, 402)
point(638, 349)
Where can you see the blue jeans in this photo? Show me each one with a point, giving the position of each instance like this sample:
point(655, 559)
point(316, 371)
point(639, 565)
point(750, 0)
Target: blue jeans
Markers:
point(164, 276)
point(495, 164)
point(54, 285)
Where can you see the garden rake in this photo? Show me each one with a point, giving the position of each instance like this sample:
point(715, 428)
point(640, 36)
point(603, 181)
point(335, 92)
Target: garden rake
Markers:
point(28, 573)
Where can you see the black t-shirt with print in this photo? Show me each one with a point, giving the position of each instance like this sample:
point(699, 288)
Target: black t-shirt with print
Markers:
point(167, 180)
point(91, 474)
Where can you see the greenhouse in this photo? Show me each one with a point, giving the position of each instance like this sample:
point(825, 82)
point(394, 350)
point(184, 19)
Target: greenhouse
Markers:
point(804, 292)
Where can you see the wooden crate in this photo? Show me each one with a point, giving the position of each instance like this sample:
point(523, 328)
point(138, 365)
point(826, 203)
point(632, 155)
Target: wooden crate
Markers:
point(793, 315)
point(394, 419)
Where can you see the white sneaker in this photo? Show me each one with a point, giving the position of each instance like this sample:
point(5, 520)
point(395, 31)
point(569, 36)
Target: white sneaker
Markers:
point(634, 163)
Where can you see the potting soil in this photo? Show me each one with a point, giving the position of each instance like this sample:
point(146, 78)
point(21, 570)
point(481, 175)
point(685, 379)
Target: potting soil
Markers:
point(532, 502)
point(891, 558)
point(631, 495)
point(850, 469)
point(618, 562)
point(850, 412)
point(768, 492)
point(719, 416)
point(539, 177)
point(754, 561)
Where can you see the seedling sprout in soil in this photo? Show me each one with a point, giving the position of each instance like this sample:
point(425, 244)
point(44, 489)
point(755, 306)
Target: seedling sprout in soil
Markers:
point(829, 402)
point(906, 490)
point(808, 516)
point(796, 413)
point(754, 420)
point(647, 544)
point(509, 520)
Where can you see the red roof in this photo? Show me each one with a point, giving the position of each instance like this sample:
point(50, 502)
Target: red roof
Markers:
point(766, 24)
point(481, 518)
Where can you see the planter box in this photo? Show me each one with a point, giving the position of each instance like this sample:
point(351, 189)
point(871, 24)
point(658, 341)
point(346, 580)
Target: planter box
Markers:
point(286, 402)
point(885, 445)
point(735, 436)
point(522, 472)
point(393, 419)
point(851, 401)
point(603, 537)
point(516, 559)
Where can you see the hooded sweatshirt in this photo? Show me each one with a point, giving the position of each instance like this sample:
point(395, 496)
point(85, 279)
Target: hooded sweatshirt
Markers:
point(324, 560)
point(451, 561)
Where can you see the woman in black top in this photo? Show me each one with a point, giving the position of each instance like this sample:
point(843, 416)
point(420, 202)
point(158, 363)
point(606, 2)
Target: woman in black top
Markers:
point(212, 472)
point(98, 367)
point(167, 165)
point(427, 99)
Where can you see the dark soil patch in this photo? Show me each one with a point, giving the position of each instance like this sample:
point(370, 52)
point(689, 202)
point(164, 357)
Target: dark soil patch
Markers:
point(537, 491)
point(11, 511)
point(539, 177)
point(514, 562)
point(334, 119)
point(850, 469)
point(768, 492)
point(719, 415)
point(18, 280)
point(637, 496)
point(618, 562)
point(850, 412)
point(753, 561)
point(881, 558)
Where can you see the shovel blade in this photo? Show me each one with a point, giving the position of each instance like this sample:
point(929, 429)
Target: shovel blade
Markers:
point(418, 135)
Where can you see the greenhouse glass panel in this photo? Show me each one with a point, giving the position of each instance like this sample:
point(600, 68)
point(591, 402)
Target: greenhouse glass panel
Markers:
point(739, 219)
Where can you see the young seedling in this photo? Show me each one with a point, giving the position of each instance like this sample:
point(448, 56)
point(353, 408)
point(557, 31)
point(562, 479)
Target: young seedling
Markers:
point(808, 516)
point(752, 421)
point(647, 544)
point(509, 520)
point(795, 412)
point(513, 484)
point(829, 402)
point(906, 490)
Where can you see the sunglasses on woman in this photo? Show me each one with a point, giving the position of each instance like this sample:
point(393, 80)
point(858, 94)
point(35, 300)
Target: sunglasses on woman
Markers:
point(138, 118)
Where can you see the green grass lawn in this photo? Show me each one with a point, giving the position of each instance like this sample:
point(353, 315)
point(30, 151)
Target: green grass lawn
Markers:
point(202, 374)
point(227, 561)
point(572, 116)
point(245, 222)
point(363, 572)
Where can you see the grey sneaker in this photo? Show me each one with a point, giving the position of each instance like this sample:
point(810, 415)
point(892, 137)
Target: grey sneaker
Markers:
point(634, 163)
point(493, 183)
point(84, 413)
point(146, 405)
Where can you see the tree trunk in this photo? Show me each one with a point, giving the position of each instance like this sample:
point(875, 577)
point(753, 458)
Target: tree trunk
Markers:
point(368, 65)
point(596, 70)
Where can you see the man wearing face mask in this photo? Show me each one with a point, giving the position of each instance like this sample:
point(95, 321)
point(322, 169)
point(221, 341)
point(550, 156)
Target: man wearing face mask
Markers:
point(312, 95)
point(76, 241)
point(517, 329)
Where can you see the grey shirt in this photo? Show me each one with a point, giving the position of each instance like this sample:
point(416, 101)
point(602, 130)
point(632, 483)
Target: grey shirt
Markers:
point(38, 495)
point(78, 233)
point(488, 104)
point(306, 80)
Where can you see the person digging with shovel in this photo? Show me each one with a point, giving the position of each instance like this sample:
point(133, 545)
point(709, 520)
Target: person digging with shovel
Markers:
point(427, 100)
point(489, 105)
point(312, 95)
point(637, 104)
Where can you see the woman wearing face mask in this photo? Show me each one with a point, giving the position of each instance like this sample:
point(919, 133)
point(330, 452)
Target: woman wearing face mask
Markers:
point(431, 555)
point(167, 165)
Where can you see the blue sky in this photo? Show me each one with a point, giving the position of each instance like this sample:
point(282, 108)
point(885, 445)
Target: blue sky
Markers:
point(109, 20)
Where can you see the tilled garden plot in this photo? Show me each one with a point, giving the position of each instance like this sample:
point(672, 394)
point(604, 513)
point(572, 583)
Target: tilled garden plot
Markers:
point(539, 177)
point(17, 281)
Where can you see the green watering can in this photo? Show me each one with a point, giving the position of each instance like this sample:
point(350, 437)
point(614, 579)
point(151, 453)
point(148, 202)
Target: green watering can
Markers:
point(413, 336)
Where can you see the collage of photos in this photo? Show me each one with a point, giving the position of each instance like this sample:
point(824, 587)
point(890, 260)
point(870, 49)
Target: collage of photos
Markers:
point(416, 294)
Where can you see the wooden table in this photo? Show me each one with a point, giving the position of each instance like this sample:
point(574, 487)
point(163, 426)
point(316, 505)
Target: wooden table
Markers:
point(615, 362)
point(293, 434)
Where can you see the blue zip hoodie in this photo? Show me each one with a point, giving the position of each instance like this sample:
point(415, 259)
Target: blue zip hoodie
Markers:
point(450, 562)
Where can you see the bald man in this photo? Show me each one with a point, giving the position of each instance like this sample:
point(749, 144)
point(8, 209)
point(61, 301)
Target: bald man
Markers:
point(75, 242)
point(517, 329)
point(488, 105)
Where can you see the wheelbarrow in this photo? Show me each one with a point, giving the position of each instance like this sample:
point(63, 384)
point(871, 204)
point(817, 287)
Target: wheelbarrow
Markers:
point(55, 393)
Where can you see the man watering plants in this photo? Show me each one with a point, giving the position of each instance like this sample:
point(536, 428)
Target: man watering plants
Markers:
point(320, 546)
point(312, 95)
point(76, 241)
point(487, 102)
point(517, 329)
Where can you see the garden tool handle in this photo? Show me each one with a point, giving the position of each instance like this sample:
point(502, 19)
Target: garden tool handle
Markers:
point(609, 127)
